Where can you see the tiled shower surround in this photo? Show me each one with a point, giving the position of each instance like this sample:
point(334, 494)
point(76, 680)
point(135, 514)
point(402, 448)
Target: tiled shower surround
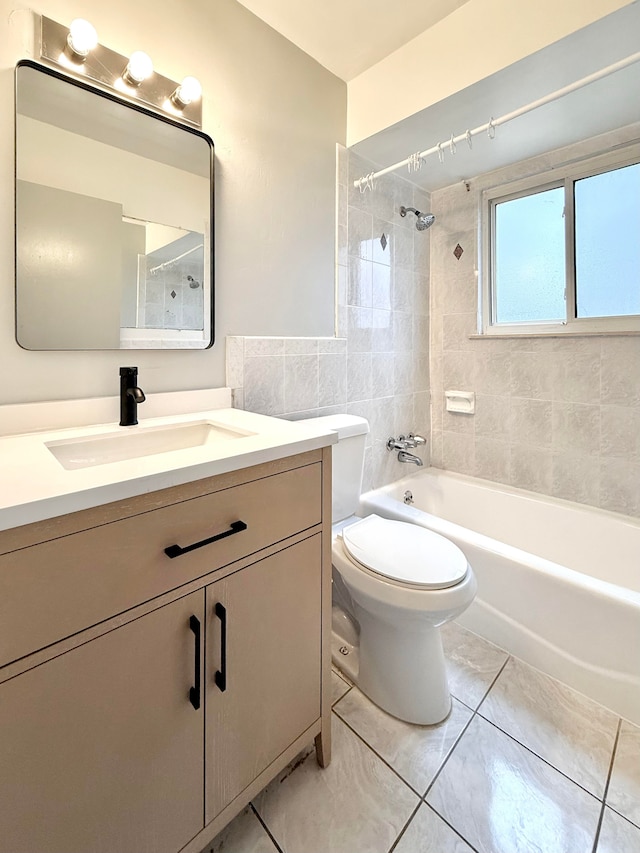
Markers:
point(560, 416)
point(553, 415)
point(378, 367)
point(167, 300)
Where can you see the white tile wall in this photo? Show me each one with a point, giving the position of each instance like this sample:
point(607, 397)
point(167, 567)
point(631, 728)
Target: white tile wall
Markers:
point(558, 416)
point(378, 366)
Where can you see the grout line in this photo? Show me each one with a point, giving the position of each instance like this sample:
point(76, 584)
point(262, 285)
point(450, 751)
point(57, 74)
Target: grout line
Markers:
point(624, 817)
point(476, 712)
point(451, 827)
point(613, 758)
point(340, 698)
point(404, 828)
point(465, 704)
point(457, 740)
point(606, 788)
point(540, 757)
point(266, 828)
point(448, 756)
point(490, 687)
point(384, 761)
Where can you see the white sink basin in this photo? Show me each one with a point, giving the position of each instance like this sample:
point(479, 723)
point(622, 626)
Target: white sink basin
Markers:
point(135, 442)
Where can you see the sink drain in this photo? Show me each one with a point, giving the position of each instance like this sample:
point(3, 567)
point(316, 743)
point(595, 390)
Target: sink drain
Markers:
point(343, 650)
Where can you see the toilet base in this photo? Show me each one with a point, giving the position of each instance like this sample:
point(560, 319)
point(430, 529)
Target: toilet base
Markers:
point(401, 672)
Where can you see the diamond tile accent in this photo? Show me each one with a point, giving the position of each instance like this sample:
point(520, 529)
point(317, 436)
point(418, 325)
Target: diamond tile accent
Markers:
point(458, 251)
point(383, 241)
point(173, 294)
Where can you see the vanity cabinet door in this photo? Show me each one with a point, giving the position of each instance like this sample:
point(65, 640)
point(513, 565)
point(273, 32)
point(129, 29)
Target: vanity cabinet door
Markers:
point(101, 747)
point(263, 667)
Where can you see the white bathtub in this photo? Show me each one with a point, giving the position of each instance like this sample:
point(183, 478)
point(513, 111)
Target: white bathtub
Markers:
point(558, 582)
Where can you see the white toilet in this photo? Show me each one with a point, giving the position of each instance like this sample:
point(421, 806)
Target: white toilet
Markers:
point(394, 585)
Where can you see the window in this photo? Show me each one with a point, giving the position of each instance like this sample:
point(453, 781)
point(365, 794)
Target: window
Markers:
point(563, 254)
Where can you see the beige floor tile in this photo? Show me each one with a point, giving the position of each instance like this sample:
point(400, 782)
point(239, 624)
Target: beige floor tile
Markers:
point(562, 726)
point(338, 687)
point(356, 805)
point(617, 835)
point(428, 833)
point(415, 752)
point(503, 799)
point(245, 834)
point(624, 788)
point(472, 663)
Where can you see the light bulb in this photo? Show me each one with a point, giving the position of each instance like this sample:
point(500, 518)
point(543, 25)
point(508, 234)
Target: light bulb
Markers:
point(138, 68)
point(189, 90)
point(82, 39)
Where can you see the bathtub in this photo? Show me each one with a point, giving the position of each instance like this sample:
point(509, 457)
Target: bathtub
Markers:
point(558, 582)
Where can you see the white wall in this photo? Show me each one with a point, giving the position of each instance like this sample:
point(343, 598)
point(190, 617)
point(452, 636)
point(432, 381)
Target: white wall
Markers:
point(275, 116)
point(126, 179)
point(379, 367)
point(478, 39)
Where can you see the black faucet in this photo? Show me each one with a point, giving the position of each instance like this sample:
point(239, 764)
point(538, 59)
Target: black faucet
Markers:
point(130, 396)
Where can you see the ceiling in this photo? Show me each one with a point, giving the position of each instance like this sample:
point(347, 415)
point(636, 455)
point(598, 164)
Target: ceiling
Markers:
point(607, 104)
point(349, 36)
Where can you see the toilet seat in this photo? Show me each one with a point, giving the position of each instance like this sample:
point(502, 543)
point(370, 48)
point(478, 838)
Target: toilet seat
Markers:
point(405, 553)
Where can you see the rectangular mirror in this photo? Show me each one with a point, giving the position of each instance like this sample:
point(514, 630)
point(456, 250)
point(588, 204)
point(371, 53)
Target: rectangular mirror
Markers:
point(114, 221)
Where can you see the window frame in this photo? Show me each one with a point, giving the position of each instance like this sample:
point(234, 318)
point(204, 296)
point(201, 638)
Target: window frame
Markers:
point(565, 176)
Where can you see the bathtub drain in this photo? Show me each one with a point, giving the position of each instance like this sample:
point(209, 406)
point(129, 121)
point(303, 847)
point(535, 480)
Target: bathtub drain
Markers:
point(344, 650)
point(408, 497)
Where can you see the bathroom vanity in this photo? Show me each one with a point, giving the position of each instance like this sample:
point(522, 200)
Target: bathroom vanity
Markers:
point(165, 654)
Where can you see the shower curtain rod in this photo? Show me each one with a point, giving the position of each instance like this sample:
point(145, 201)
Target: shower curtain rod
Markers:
point(177, 258)
point(414, 159)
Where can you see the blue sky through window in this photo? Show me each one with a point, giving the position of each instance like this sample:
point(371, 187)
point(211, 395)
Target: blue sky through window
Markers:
point(607, 216)
point(529, 251)
point(529, 271)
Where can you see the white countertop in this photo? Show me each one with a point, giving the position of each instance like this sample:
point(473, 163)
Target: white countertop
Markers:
point(34, 485)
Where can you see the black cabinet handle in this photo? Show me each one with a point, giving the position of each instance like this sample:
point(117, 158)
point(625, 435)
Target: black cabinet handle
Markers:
point(220, 677)
point(194, 692)
point(176, 551)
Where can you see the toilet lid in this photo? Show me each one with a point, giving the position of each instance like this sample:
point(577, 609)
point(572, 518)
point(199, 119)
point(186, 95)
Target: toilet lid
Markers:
point(405, 552)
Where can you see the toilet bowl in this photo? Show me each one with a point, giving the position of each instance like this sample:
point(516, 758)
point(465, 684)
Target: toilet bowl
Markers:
point(403, 583)
point(394, 585)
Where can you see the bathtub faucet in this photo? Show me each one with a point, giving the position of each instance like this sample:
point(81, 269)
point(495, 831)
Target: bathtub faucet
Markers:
point(413, 440)
point(404, 442)
point(405, 456)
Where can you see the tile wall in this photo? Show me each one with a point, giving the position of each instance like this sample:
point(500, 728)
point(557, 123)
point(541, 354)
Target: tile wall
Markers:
point(378, 366)
point(166, 299)
point(557, 416)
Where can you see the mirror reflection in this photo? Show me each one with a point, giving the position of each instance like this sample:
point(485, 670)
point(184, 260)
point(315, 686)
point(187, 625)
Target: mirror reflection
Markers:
point(113, 219)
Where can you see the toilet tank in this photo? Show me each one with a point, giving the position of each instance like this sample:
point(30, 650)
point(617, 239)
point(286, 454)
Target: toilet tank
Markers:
point(348, 462)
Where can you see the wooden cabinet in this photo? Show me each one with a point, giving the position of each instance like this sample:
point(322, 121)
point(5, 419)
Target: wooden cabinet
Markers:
point(269, 623)
point(145, 720)
point(100, 748)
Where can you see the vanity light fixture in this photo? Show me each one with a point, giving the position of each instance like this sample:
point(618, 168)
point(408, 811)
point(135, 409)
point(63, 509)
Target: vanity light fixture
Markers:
point(76, 49)
point(188, 91)
point(81, 40)
point(139, 68)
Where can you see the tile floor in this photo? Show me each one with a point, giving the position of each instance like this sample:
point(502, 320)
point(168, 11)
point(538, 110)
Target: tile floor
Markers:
point(522, 763)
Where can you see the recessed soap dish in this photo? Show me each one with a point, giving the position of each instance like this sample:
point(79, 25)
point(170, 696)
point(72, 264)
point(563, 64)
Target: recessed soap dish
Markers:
point(463, 402)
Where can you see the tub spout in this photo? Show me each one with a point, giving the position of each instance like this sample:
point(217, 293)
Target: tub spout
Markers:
point(404, 456)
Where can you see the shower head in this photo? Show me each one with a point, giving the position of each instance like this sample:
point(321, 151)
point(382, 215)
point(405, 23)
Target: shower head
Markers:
point(423, 220)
